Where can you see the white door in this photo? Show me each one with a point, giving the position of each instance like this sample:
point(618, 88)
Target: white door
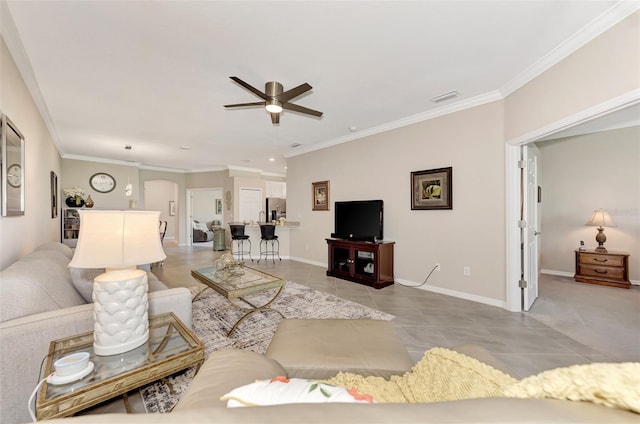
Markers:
point(250, 204)
point(531, 220)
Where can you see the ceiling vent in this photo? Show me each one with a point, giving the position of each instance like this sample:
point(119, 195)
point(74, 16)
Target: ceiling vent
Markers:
point(294, 145)
point(445, 96)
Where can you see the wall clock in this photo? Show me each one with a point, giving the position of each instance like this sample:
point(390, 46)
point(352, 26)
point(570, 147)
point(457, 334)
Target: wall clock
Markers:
point(102, 182)
point(14, 175)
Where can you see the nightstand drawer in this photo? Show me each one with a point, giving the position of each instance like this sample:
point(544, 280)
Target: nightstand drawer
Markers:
point(604, 268)
point(608, 260)
point(602, 271)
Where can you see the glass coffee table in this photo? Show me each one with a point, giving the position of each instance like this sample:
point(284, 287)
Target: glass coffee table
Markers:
point(237, 284)
point(172, 347)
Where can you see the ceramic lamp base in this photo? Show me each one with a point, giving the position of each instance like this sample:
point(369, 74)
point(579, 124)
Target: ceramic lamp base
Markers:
point(120, 311)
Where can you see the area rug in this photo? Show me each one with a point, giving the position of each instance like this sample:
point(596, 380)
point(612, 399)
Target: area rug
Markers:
point(213, 317)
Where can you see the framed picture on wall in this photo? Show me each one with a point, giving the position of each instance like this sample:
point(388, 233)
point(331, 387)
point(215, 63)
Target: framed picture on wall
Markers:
point(172, 207)
point(11, 168)
point(432, 189)
point(218, 206)
point(54, 195)
point(320, 196)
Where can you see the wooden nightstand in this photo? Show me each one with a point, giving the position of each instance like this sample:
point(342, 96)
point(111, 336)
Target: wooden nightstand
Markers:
point(604, 268)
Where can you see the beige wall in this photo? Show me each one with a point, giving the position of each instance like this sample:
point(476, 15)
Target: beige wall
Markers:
point(579, 175)
point(607, 67)
point(379, 167)
point(19, 235)
point(173, 192)
point(77, 173)
point(157, 195)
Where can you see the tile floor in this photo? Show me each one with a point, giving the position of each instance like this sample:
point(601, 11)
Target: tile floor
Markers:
point(425, 319)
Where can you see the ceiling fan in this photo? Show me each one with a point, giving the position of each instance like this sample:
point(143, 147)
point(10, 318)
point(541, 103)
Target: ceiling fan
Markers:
point(275, 99)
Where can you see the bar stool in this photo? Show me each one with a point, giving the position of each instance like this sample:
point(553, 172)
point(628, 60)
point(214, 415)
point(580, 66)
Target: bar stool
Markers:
point(238, 236)
point(269, 239)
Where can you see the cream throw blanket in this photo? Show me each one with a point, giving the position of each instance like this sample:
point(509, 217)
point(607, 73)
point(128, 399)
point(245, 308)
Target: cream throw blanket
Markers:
point(443, 375)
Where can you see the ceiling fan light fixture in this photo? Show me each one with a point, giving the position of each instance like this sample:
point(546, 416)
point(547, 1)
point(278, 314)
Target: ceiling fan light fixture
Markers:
point(273, 106)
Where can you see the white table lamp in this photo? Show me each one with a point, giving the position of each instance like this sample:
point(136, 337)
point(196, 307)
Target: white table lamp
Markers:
point(119, 241)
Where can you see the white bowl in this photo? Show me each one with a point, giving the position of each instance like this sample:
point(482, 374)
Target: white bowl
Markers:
point(71, 364)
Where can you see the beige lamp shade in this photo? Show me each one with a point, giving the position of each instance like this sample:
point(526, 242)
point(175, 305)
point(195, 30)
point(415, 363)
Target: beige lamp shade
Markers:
point(117, 239)
point(600, 218)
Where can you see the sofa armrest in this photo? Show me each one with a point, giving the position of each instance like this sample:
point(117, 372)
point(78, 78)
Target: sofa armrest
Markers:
point(24, 343)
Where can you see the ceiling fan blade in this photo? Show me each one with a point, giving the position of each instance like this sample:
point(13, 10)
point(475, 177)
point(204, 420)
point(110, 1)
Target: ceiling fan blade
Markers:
point(294, 92)
point(275, 118)
point(301, 109)
point(250, 88)
point(247, 104)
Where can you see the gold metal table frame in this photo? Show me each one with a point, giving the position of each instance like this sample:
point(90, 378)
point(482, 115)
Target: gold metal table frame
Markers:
point(172, 347)
point(236, 285)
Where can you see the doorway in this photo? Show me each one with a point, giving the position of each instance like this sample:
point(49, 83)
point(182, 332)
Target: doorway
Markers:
point(599, 116)
point(204, 205)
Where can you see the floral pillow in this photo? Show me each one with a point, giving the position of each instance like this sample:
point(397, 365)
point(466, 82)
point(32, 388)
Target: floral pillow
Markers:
point(281, 390)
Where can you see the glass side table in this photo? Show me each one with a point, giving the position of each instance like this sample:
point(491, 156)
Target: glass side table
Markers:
point(172, 347)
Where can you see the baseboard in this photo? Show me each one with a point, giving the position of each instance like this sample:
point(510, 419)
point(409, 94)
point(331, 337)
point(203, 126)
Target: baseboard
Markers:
point(307, 261)
point(571, 274)
point(454, 293)
point(558, 273)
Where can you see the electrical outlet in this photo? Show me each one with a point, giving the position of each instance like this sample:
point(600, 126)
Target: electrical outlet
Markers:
point(437, 267)
point(466, 271)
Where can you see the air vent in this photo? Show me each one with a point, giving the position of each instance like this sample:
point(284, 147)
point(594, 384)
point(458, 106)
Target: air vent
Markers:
point(444, 96)
point(294, 145)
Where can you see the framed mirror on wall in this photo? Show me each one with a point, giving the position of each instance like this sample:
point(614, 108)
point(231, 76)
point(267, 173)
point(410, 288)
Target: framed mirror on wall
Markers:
point(11, 168)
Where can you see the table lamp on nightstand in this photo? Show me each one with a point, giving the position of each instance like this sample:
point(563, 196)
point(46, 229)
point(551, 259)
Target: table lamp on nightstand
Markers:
point(601, 219)
point(118, 241)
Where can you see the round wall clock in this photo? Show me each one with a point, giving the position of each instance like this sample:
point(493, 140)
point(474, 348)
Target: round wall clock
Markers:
point(102, 182)
point(14, 175)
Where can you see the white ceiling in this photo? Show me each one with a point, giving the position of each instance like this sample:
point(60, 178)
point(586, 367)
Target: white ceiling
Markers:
point(155, 74)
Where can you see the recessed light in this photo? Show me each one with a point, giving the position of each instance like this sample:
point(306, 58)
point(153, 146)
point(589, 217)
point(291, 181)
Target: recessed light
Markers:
point(272, 160)
point(185, 147)
point(353, 129)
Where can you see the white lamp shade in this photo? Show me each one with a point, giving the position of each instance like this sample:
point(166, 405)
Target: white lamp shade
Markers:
point(600, 218)
point(117, 239)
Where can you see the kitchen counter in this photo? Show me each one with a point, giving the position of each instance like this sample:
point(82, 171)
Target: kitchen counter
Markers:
point(282, 231)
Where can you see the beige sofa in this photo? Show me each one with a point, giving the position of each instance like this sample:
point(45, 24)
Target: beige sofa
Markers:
point(228, 369)
point(38, 304)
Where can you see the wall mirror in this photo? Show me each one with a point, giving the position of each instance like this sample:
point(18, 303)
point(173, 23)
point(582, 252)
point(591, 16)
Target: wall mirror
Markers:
point(12, 168)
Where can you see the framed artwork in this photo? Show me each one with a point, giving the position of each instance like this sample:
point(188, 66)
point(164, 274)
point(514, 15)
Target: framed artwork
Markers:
point(218, 206)
point(54, 195)
point(172, 207)
point(432, 189)
point(320, 196)
point(12, 168)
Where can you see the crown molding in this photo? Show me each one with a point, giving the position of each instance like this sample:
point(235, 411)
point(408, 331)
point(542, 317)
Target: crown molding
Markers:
point(586, 34)
point(482, 99)
point(18, 53)
point(612, 105)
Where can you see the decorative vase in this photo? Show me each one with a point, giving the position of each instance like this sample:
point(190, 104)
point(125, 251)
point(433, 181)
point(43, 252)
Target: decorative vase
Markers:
point(74, 201)
point(89, 202)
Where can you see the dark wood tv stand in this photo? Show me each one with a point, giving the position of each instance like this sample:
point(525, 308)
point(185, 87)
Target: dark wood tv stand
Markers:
point(366, 263)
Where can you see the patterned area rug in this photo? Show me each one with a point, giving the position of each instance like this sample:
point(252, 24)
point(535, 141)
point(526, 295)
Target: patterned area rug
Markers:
point(213, 317)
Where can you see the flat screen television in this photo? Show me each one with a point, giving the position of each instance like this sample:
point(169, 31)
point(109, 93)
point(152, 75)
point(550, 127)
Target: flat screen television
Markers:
point(359, 220)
